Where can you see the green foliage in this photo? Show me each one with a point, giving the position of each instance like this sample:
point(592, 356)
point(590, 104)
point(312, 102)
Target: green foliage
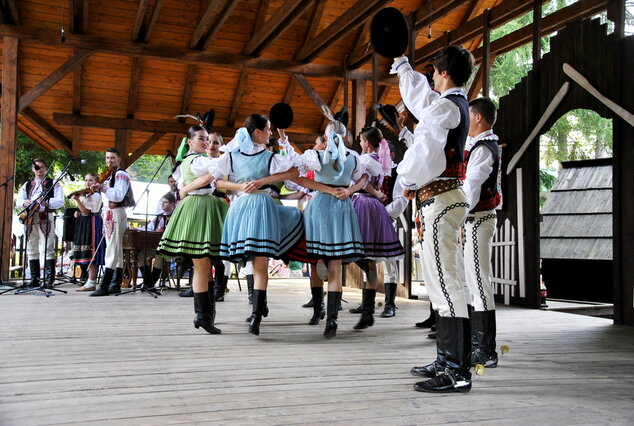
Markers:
point(144, 168)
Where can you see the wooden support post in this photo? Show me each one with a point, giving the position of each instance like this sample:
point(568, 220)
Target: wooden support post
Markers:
point(346, 83)
point(121, 144)
point(486, 57)
point(375, 86)
point(7, 147)
point(358, 107)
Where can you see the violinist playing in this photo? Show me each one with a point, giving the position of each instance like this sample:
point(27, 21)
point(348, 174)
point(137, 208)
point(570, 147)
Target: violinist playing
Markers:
point(118, 191)
point(89, 246)
point(38, 219)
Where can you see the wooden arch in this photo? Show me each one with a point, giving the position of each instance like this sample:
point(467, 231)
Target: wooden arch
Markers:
point(603, 59)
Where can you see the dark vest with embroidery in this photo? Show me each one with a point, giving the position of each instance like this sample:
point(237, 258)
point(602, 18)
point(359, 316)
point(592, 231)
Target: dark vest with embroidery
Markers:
point(46, 184)
point(490, 193)
point(128, 199)
point(454, 149)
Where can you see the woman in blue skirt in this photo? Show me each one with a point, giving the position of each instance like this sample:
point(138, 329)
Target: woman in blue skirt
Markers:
point(332, 229)
point(256, 228)
point(187, 235)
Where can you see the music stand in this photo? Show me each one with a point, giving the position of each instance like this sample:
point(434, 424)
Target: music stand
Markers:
point(152, 291)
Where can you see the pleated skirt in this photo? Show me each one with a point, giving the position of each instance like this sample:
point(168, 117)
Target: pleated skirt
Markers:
point(380, 241)
point(88, 233)
point(257, 226)
point(195, 229)
point(332, 229)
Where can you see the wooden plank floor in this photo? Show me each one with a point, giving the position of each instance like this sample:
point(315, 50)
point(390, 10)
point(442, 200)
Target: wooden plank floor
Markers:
point(72, 359)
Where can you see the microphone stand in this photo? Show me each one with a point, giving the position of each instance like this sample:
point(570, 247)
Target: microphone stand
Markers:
point(152, 291)
point(23, 288)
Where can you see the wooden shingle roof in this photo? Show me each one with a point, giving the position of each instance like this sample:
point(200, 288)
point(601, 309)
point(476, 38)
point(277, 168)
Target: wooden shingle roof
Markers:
point(577, 215)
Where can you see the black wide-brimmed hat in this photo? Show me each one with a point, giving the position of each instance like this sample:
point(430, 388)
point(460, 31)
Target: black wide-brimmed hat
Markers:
point(388, 113)
point(281, 115)
point(389, 32)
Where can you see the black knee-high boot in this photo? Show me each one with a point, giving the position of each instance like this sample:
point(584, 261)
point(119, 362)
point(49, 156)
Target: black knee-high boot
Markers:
point(259, 303)
point(104, 284)
point(439, 364)
point(205, 312)
point(455, 334)
point(117, 279)
point(34, 267)
point(366, 320)
point(390, 296)
point(334, 299)
point(49, 271)
point(155, 275)
point(483, 325)
point(429, 322)
point(318, 305)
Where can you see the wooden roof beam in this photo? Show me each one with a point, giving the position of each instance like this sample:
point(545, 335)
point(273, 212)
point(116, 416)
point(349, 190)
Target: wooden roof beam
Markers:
point(551, 23)
point(216, 14)
point(172, 54)
point(59, 140)
point(133, 86)
point(439, 10)
point(144, 22)
point(310, 91)
point(49, 81)
point(237, 98)
point(190, 78)
point(334, 100)
point(290, 91)
point(78, 16)
point(472, 11)
point(145, 146)
point(9, 13)
point(499, 15)
point(351, 19)
point(277, 24)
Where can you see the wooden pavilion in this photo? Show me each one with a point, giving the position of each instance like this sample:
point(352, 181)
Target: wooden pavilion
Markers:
point(89, 74)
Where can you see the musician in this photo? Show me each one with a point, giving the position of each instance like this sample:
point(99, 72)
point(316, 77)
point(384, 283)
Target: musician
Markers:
point(89, 246)
point(118, 191)
point(158, 224)
point(483, 190)
point(40, 232)
point(173, 184)
point(432, 169)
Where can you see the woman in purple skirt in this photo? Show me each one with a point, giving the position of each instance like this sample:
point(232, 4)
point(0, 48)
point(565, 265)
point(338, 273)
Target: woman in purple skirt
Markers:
point(380, 241)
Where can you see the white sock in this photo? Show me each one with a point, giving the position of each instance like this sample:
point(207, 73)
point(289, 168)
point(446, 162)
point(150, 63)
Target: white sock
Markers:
point(90, 283)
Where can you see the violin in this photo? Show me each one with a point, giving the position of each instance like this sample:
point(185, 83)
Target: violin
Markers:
point(102, 178)
point(27, 215)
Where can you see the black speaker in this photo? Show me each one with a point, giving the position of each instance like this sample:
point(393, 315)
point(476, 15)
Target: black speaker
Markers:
point(69, 224)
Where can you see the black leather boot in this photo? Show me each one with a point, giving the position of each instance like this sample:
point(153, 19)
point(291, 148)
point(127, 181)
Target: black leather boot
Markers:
point(220, 288)
point(455, 334)
point(319, 311)
point(104, 284)
point(155, 275)
point(259, 303)
point(250, 288)
point(484, 353)
point(34, 267)
point(390, 296)
point(429, 322)
point(265, 311)
point(366, 320)
point(49, 272)
point(334, 300)
point(309, 304)
point(117, 278)
point(477, 328)
point(146, 273)
point(439, 364)
point(205, 312)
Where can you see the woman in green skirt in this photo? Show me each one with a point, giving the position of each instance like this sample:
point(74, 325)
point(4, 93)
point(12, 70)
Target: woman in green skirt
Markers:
point(195, 229)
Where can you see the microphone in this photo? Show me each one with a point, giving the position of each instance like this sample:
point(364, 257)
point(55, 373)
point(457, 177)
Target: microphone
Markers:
point(35, 166)
point(79, 160)
point(71, 177)
point(170, 153)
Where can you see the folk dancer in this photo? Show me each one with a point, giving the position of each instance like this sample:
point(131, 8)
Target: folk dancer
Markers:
point(483, 190)
point(432, 169)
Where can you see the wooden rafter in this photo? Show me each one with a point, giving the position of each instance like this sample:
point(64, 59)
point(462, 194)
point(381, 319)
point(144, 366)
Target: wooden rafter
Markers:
point(237, 98)
point(277, 24)
point(121, 137)
point(76, 137)
point(474, 7)
point(499, 15)
point(260, 18)
point(175, 54)
point(145, 146)
point(216, 14)
point(345, 23)
point(290, 90)
point(384, 90)
point(59, 140)
point(50, 80)
point(310, 90)
point(145, 20)
point(362, 50)
point(9, 12)
point(190, 78)
point(551, 23)
point(439, 9)
point(133, 86)
point(78, 16)
point(318, 12)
